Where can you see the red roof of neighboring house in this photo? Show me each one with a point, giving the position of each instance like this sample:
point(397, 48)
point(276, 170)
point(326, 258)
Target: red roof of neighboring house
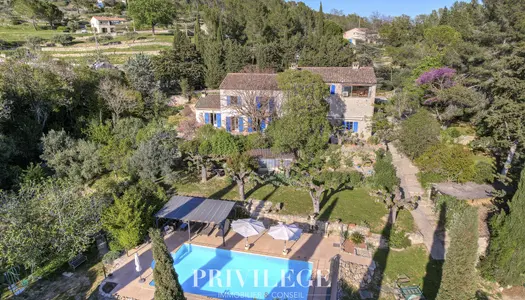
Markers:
point(102, 18)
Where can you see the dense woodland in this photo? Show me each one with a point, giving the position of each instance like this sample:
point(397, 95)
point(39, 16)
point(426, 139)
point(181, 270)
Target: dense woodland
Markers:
point(84, 150)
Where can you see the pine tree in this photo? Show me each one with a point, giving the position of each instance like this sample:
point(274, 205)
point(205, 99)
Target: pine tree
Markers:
point(167, 286)
point(505, 261)
point(459, 269)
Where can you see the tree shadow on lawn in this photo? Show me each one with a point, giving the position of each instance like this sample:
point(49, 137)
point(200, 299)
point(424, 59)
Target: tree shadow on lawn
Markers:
point(330, 193)
point(222, 192)
point(325, 215)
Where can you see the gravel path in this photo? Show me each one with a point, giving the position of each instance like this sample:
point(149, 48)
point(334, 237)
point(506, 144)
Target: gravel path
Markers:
point(423, 215)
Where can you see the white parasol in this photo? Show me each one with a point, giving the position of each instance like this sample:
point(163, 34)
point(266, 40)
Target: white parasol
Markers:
point(285, 232)
point(247, 228)
point(138, 268)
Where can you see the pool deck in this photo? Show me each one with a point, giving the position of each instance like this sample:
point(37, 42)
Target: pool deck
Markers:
point(310, 247)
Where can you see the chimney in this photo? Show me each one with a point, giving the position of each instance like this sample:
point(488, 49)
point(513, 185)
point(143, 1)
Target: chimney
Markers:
point(355, 65)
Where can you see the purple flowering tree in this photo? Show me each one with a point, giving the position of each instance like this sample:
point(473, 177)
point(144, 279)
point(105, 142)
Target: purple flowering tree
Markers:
point(435, 81)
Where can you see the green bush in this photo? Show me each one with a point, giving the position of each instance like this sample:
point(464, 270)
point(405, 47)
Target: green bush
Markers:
point(385, 177)
point(63, 29)
point(62, 39)
point(454, 162)
point(418, 133)
point(484, 172)
point(357, 238)
point(398, 239)
point(110, 257)
point(427, 178)
point(100, 38)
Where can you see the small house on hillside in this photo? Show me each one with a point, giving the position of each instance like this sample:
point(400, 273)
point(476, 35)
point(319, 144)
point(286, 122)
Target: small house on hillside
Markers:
point(100, 24)
point(473, 193)
point(269, 161)
point(362, 34)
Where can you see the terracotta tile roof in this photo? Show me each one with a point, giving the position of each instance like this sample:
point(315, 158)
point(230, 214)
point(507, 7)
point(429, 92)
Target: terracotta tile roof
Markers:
point(102, 18)
point(209, 102)
point(268, 153)
point(364, 75)
point(249, 81)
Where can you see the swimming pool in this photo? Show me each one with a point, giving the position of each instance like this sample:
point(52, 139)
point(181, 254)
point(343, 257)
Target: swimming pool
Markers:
point(225, 274)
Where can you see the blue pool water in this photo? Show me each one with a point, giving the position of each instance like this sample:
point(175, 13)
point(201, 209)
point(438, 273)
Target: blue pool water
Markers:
point(225, 274)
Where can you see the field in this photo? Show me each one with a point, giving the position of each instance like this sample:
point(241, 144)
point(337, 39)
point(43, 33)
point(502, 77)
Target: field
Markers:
point(116, 49)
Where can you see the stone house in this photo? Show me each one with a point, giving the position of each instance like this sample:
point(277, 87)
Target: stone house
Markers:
point(361, 34)
point(352, 97)
point(100, 24)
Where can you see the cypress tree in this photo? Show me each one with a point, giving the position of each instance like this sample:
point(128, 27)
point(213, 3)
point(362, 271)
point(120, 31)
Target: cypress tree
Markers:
point(459, 269)
point(320, 21)
point(197, 35)
point(167, 286)
point(505, 261)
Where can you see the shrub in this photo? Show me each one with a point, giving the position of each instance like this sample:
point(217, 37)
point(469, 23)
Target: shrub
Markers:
point(418, 133)
point(454, 162)
point(131, 35)
point(62, 39)
point(385, 177)
point(34, 42)
point(427, 178)
point(110, 257)
point(398, 239)
point(357, 238)
point(483, 172)
point(63, 29)
point(100, 38)
point(459, 270)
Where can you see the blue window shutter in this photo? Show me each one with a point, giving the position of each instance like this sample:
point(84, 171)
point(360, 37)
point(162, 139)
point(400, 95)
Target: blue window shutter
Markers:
point(250, 123)
point(241, 125)
point(218, 116)
point(271, 105)
point(206, 118)
point(332, 89)
point(228, 100)
point(238, 100)
point(263, 125)
point(258, 103)
point(355, 126)
point(228, 124)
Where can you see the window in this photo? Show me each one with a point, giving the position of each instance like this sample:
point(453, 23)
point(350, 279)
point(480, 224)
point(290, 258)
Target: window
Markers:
point(233, 100)
point(235, 124)
point(360, 91)
point(355, 91)
point(351, 126)
point(212, 118)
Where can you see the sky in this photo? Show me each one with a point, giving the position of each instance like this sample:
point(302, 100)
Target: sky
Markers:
point(365, 8)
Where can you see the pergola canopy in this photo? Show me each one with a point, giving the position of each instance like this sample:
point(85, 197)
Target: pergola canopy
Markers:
point(196, 209)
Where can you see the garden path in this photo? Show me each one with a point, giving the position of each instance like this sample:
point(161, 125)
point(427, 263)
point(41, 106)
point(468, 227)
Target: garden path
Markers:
point(424, 216)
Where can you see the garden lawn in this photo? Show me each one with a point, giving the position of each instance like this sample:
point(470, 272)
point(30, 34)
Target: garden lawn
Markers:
point(351, 206)
point(413, 262)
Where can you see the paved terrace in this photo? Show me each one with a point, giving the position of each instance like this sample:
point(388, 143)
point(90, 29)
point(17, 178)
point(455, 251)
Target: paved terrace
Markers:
point(310, 247)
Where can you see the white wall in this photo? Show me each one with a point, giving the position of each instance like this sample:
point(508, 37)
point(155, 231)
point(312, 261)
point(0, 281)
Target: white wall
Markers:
point(355, 109)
